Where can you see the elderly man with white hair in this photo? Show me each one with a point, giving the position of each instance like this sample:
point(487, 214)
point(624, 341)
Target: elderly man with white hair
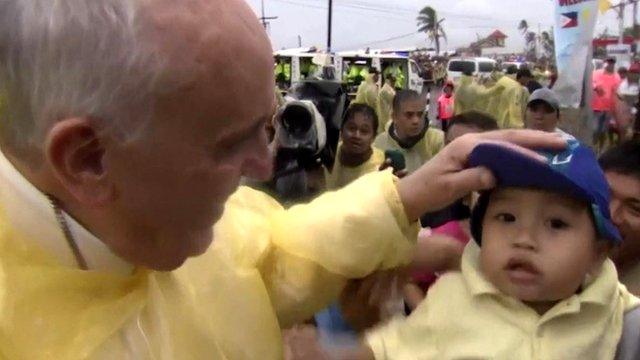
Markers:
point(120, 150)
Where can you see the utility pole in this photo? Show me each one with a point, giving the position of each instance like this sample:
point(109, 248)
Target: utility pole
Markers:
point(329, 26)
point(621, 7)
point(636, 33)
point(263, 18)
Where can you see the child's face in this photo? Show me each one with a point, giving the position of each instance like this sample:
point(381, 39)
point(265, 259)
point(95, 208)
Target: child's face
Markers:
point(538, 246)
point(448, 90)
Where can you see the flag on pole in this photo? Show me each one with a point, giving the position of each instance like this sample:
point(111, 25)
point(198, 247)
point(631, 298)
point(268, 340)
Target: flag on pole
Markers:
point(575, 24)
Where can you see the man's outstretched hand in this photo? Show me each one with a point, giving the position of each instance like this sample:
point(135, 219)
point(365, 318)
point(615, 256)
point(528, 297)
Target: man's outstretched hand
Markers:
point(446, 178)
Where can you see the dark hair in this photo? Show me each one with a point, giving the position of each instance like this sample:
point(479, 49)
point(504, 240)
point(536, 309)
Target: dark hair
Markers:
point(402, 96)
point(512, 69)
point(476, 119)
point(524, 72)
point(623, 159)
point(390, 77)
point(364, 109)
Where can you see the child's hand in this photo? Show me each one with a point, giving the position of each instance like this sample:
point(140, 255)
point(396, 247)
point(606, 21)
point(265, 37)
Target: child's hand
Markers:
point(437, 253)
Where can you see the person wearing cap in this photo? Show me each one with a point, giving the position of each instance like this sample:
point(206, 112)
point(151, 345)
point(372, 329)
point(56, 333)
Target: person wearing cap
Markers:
point(536, 283)
point(605, 86)
point(368, 90)
point(543, 112)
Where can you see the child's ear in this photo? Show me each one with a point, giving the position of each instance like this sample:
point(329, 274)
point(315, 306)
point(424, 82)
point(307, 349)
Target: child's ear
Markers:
point(603, 250)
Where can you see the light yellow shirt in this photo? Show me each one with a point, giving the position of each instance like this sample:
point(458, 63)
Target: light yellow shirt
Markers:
point(466, 317)
point(420, 153)
point(342, 175)
point(267, 268)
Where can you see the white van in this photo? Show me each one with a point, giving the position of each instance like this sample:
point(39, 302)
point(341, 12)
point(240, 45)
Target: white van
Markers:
point(302, 63)
point(380, 61)
point(480, 67)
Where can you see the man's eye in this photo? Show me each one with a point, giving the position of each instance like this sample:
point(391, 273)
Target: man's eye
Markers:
point(506, 217)
point(557, 224)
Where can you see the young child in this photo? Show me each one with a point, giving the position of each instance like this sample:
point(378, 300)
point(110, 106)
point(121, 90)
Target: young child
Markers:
point(445, 105)
point(536, 282)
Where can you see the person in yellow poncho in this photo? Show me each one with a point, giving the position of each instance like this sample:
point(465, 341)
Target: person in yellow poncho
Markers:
point(112, 178)
point(385, 102)
point(508, 102)
point(368, 89)
point(505, 101)
point(409, 133)
point(355, 156)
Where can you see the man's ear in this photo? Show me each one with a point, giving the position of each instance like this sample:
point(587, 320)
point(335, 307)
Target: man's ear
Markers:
point(76, 155)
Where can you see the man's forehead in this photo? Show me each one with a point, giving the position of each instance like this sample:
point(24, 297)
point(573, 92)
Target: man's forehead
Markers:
point(198, 35)
point(624, 185)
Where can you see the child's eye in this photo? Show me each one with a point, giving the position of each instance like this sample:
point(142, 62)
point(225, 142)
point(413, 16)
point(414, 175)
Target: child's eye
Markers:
point(557, 224)
point(506, 217)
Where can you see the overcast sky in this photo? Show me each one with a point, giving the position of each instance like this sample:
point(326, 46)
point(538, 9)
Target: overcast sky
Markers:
point(383, 23)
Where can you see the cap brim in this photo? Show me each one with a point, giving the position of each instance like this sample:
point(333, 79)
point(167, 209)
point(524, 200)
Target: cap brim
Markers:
point(513, 169)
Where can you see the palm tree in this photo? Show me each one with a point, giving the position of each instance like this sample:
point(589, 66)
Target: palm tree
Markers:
point(429, 24)
point(523, 26)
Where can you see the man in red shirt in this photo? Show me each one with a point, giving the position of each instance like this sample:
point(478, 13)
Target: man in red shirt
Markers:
point(605, 86)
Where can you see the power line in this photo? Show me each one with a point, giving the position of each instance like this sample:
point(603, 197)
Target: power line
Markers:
point(368, 44)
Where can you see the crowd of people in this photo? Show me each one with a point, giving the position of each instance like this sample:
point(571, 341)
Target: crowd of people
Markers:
point(486, 233)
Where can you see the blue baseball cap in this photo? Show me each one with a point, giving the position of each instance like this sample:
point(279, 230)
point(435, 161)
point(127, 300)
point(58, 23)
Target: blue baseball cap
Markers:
point(573, 172)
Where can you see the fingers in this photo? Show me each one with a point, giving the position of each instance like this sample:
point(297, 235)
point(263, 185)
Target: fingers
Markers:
point(519, 140)
point(469, 180)
point(531, 139)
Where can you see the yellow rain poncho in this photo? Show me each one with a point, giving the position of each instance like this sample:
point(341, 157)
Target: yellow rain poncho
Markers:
point(420, 153)
point(342, 175)
point(367, 93)
point(505, 101)
point(267, 268)
point(384, 106)
point(471, 96)
point(508, 103)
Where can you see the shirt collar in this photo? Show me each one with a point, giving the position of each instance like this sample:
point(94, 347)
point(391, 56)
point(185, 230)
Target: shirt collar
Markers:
point(29, 212)
point(599, 290)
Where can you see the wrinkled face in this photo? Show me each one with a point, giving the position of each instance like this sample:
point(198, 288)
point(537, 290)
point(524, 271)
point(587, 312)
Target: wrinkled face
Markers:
point(173, 181)
point(537, 246)
point(541, 116)
point(625, 213)
point(409, 120)
point(357, 135)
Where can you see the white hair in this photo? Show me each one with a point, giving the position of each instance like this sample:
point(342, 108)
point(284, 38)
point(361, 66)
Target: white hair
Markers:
point(68, 58)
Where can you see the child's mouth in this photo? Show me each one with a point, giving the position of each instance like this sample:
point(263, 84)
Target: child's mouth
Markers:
point(522, 271)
